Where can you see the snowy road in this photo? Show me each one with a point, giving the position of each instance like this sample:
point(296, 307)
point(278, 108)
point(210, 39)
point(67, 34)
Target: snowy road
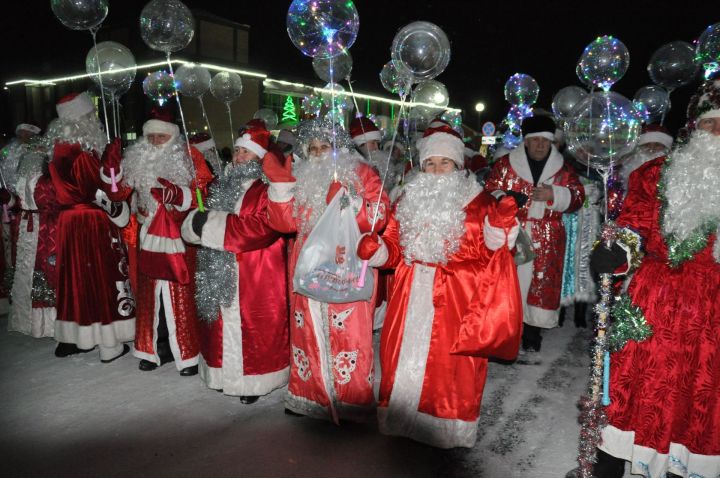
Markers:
point(78, 417)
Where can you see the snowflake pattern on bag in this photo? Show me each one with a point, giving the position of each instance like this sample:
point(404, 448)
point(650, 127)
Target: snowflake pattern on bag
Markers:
point(302, 363)
point(299, 319)
point(344, 364)
point(338, 318)
point(370, 211)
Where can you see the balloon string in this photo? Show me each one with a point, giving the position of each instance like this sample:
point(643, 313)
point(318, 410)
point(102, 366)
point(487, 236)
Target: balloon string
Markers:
point(93, 33)
point(201, 207)
point(333, 118)
point(218, 164)
point(114, 114)
point(229, 112)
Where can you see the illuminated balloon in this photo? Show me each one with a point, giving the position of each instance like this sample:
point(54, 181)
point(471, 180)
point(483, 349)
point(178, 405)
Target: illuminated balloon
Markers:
point(322, 27)
point(421, 51)
point(312, 105)
point(707, 51)
point(673, 65)
point(565, 100)
point(603, 128)
point(341, 66)
point(454, 118)
point(341, 100)
point(268, 116)
point(586, 83)
point(226, 86)
point(604, 62)
point(521, 89)
point(393, 81)
point(158, 86)
point(432, 92)
point(166, 25)
point(656, 101)
point(116, 63)
point(192, 80)
point(80, 14)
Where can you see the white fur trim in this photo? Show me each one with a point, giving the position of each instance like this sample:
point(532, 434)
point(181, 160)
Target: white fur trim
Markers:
point(88, 336)
point(469, 152)
point(245, 141)
point(187, 199)
point(281, 192)
point(561, 198)
point(544, 318)
point(541, 134)
point(380, 257)
point(213, 231)
point(203, 146)
point(656, 137)
point(361, 139)
point(242, 385)
point(162, 245)
point(76, 108)
point(186, 229)
point(108, 179)
point(123, 218)
point(519, 163)
point(649, 462)
point(27, 127)
point(442, 144)
point(497, 194)
point(709, 114)
point(155, 126)
point(495, 237)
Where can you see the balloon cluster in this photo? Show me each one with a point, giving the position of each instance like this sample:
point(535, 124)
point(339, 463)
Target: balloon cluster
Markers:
point(159, 86)
point(521, 91)
point(166, 25)
point(80, 14)
point(394, 81)
point(652, 102)
point(333, 69)
point(434, 98)
point(226, 86)
point(420, 51)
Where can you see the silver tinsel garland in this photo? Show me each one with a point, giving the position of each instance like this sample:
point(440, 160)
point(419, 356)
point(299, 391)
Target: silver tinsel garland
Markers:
point(216, 274)
point(41, 290)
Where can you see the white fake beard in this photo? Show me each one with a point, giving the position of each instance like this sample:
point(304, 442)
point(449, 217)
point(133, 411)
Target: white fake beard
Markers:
point(379, 161)
point(313, 181)
point(144, 163)
point(691, 187)
point(637, 159)
point(432, 214)
point(86, 131)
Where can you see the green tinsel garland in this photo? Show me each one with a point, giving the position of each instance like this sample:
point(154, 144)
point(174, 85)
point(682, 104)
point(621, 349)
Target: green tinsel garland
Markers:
point(628, 324)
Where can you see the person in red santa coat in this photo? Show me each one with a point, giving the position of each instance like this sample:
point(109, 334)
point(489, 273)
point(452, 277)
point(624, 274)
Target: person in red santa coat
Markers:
point(95, 305)
point(241, 276)
point(443, 240)
point(331, 374)
point(157, 172)
point(545, 187)
point(664, 415)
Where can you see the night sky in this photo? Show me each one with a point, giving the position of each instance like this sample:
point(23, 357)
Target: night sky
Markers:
point(490, 41)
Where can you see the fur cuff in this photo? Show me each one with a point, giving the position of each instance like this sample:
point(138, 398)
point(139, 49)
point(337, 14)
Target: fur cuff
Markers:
point(187, 231)
point(108, 179)
point(561, 198)
point(496, 237)
point(281, 192)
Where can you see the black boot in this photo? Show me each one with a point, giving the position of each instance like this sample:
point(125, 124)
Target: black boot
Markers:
point(65, 349)
point(146, 365)
point(189, 371)
point(125, 350)
point(581, 314)
point(531, 338)
point(608, 466)
point(249, 399)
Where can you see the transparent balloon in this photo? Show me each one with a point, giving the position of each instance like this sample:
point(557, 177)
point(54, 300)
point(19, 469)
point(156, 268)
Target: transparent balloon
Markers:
point(454, 118)
point(80, 14)
point(421, 51)
point(158, 86)
point(641, 112)
point(322, 27)
point(192, 80)
point(341, 67)
point(656, 102)
point(166, 25)
point(124, 87)
point(707, 51)
point(604, 62)
point(521, 89)
point(586, 83)
point(269, 117)
point(226, 86)
point(604, 127)
point(115, 61)
point(421, 117)
point(565, 100)
point(393, 81)
point(334, 92)
point(311, 105)
point(431, 92)
point(673, 65)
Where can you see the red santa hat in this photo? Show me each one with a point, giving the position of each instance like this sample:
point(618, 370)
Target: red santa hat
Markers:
point(202, 141)
point(655, 133)
point(27, 127)
point(255, 138)
point(75, 105)
point(363, 130)
point(161, 122)
point(440, 139)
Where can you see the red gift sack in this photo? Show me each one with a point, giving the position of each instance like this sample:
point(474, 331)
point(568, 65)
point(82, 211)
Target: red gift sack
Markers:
point(162, 252)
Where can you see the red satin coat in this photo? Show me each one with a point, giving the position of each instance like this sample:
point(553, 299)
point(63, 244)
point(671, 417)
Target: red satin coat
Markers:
point(665, 389)
point(332, 376)
point(93, 291)
point(262, 289)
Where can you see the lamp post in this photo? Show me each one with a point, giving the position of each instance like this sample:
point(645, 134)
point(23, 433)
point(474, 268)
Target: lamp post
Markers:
point(479, 108)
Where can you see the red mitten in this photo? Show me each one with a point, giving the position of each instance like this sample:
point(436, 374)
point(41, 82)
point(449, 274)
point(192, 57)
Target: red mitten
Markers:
point(335, 186)
point(503, 215)
point(168, 194)
point(276, 168)
point(368, 246)
point(112, 156)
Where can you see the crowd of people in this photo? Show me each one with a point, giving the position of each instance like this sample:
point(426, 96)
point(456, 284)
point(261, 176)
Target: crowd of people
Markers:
point(246, 272)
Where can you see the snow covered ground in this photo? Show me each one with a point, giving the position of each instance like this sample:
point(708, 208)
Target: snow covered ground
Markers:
point(78, 417)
